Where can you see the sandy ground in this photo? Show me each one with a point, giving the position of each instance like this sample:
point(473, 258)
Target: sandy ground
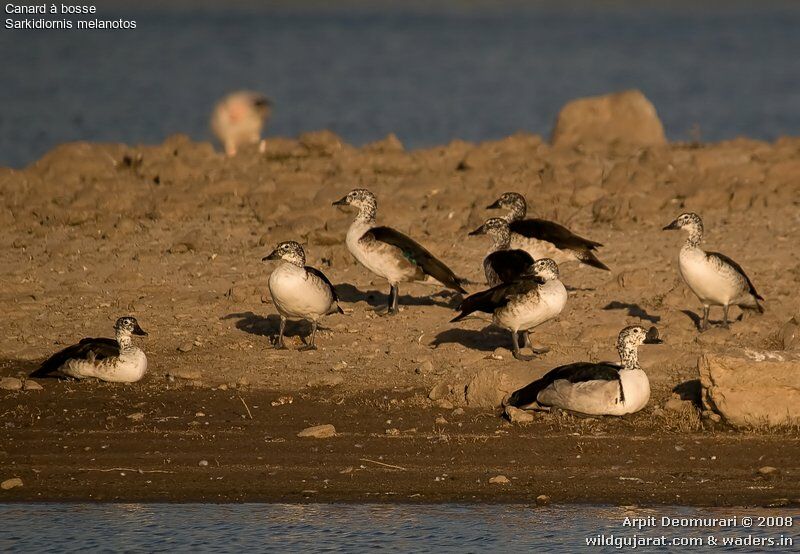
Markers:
point(174, 235)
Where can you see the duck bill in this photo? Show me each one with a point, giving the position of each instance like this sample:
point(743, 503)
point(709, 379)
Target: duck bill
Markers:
point(494, 205)
point(652, 337)
point(672, 226)
point(272, 256)
point(341, 202)
point(479, 231)
point(139, 331)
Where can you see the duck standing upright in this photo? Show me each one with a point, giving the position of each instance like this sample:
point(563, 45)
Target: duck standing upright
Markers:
point(522, 304)
point(545, 239)
point(596, 388)
point(502, 264)
point(114, 360)
point(713, 277)
point(299, 291)
point(389, 253)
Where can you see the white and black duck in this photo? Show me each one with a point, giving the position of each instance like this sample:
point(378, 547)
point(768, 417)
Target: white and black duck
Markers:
point(545, 239)
point(389, 253)
point(115, 360)
point(299, 291)
point(713, 277)
point(502, 263)
point(521, 304)
point(602, 388)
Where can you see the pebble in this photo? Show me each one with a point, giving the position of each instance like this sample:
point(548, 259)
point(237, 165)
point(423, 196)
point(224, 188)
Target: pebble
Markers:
point(675, 404)
point(439, 391)
point(500, 353)
point(713, 416)
point(542, 500)
point(444, 404)
point(499, 480)
point(203, 463)
point(768, 471)
point(457, 412)
point(326, 381)
point(424, 367)
point(282, 400)
point(393, 432)
point(185, 347)
point(515, 415)
point(223, 386)
point(12, 483)
point(10, 383)
point(188, 374)
point(138, 416)
point(31, 385)
point(440, 421)
point(318, 432)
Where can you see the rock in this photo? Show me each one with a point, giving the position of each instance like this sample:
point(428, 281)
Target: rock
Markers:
point(768, 471)
point(10, 383)
point(444, 403)
point(185, 347)
point(490, 385)
point(752, 389)
point(12, 483)
point(440, 421)
point(499, 480)
point(515, 415)
point(187, 374)
point(424, 367)
point(626, 117)
point(31, 385)
point(318, 432)
point(676, 404)
point(138, 416)
point(457, 412)
point(439, 391)
point(326, 381)
point(542, 500)
point(203, 463)
point(790, 334)
point(393, 432)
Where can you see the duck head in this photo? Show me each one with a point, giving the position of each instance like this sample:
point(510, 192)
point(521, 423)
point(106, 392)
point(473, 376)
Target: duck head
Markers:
point(127, 325)
point(289, 251)
point(512, 201)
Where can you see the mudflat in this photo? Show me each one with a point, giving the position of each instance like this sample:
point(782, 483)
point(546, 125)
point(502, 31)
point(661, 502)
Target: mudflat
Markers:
point(174, 234)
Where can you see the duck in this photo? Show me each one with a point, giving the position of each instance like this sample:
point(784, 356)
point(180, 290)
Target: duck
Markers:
point(602, 388)
point(114, 360)
point(299, 291)
point(545, 239)
point(238, 118)
point(522, 304)
point(714, 278)
point(502, 264)
point(389, 253)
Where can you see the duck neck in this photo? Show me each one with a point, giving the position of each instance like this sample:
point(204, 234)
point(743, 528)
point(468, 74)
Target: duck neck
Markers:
point(501, 240)
point(518, 210)
point(367, 213)
point(629, 356)
point(297, 259)
point(695, 236)
point(124, 340)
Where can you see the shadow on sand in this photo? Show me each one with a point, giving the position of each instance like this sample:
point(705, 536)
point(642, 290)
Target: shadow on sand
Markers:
point(486, 340)
point(377, 299)
point(634, 310)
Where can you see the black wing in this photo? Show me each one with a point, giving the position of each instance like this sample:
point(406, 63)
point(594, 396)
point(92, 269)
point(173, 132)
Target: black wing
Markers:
point(327, 281)
point(510, 264)
point(418, 255)
point(738, 268)
point(101, 348)
point(496, 297)
point(574, 373)
point(552, 232)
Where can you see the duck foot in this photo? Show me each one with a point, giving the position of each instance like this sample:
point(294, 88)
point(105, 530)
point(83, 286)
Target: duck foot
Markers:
point(307, 347)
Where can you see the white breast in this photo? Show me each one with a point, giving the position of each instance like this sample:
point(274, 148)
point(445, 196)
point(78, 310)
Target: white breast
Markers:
point(297, 294)
point(711, 285)
point(539, 249)
point(524, 313)
point(600, 397)
point(129, 367)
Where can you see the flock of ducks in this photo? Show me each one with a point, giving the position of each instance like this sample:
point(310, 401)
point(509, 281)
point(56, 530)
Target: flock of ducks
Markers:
point(524, 291)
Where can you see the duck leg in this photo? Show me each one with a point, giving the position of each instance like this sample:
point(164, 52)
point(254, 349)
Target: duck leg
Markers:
point(725, 323)
point(279, 341)
point(529, 344)
point(393, 294)
point(517, 354)
point(704, 323)
point(312, 345)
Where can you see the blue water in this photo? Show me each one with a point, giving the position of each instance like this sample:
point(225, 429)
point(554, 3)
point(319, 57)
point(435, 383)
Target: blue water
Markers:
point(360, 527)
point(470, 70)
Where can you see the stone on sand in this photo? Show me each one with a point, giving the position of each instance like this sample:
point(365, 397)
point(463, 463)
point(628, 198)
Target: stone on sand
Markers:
point(499, 480)
point(12, 483)
point(438, 392)
point(31, 385)
point(326, 381)
point(515, 415)
point(627, 117)
point(318, 432)
point(490, 385)
point(10, 383)
point(752, 389)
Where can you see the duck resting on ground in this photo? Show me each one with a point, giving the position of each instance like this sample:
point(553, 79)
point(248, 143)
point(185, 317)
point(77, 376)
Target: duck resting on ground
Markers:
point(521, 305)
point(389, 253)
point(113, 360)
point(545, 239)
point(299, 291)
point(595, 388)
point(713, 277)
point(502, 264)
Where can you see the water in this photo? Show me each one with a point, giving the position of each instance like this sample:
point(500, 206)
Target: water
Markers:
point(358, 527)
point(470, 70)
